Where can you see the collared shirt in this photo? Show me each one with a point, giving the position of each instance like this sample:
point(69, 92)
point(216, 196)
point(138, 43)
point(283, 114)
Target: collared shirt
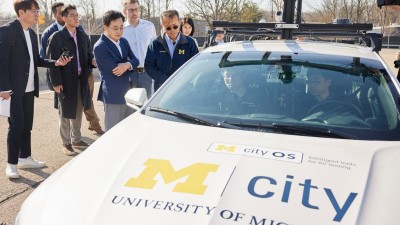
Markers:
point(171, 44)
point(30, 86)
point(73, 35)
point(139, 38)
point(59, 26)
point(116, 43)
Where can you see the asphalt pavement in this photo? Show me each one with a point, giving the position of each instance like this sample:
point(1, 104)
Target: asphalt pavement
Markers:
point(47, 147)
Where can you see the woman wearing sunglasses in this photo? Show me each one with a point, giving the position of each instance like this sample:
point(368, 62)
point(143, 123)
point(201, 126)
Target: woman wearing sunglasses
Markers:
point(169, 51)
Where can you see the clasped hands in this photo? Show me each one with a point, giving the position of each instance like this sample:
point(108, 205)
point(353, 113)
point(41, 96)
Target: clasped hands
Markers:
point(121, 69)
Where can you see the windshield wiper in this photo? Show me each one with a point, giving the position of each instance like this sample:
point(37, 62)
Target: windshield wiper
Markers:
point(315, 131)
point(301, 130)
point(195, 119)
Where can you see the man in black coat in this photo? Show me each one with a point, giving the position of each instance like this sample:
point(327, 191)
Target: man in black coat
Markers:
point(19, 60)
point(71, 82)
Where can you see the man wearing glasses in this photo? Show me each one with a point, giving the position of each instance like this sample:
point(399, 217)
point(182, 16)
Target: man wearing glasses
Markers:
point(91, 115)
point(19, 81)
point(169, 51)
point(116, 62)
point(71, 82)
point(139, 33)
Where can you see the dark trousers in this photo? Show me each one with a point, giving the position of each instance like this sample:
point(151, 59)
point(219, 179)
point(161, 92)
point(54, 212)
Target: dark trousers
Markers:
point(19, 131)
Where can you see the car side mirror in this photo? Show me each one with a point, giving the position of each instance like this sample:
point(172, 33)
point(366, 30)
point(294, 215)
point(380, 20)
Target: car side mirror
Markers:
point(136, 97)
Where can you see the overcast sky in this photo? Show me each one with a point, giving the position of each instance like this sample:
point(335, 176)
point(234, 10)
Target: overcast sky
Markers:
point(104, 5)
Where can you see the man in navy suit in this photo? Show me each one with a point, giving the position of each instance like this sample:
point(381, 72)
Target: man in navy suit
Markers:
point(19, 60)
point(115, 61)
point(91, 115)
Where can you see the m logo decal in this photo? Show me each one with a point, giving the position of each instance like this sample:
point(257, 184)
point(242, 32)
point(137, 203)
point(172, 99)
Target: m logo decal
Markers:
point(181, 51)
point(231, 148)
point(195, 173)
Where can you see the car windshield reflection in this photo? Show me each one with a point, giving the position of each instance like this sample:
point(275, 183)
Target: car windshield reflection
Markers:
point(353, 96)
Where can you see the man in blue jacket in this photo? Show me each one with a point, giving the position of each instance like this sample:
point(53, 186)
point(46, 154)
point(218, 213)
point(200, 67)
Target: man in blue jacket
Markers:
point(116, 62)
point(169, 51)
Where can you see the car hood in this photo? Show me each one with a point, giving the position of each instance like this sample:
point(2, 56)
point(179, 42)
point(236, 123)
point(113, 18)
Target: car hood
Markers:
point(150, 171)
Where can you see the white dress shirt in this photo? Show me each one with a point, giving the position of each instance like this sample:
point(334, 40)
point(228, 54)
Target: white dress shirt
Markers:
point(116, 43)
point(139, 38)
point(30, 86)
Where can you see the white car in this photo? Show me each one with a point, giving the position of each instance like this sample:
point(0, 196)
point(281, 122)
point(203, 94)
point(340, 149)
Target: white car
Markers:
point(246, 133)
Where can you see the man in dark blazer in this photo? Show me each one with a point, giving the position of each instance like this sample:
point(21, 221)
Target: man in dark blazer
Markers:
point(19, 60)
point(71, 81)
point(91, 115)
point(115, 61)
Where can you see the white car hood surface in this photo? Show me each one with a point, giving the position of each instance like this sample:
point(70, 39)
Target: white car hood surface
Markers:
point(147, 171)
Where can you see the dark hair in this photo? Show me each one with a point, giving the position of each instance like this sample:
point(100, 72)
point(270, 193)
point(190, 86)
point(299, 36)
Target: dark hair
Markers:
point(112, 15)
point(66, 8)
point(169, 14)
point(55, 6)
point(189, 21)
point(24, 5)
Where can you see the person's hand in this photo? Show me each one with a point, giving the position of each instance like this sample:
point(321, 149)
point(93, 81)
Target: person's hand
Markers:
point(398, 56)
point(5, 95)
point(58, 89)
point(121, 69)
point(94, 63)
point(393, 7)
point(62, 61)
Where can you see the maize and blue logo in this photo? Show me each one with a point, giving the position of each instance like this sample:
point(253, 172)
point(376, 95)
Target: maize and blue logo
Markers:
point(261, 152)
point(195, 173)
point(191, 178)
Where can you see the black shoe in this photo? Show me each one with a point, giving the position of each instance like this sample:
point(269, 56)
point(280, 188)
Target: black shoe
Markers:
point(68, 150)
point(80, 144)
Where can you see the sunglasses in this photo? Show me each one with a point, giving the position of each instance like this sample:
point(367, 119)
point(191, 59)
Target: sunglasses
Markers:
point(170, 27)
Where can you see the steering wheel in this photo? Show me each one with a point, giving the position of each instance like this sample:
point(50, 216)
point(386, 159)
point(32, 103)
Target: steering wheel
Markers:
point(331, 105)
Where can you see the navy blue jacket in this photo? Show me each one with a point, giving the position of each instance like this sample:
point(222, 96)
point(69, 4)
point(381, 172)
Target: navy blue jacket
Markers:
point(45, 37)
point(158, 63)
point(113, 88)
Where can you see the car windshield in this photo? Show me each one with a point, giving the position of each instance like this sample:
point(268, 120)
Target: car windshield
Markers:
point(263, 91)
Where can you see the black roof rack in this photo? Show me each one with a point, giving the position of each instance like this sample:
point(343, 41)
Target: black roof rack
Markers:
point(288, 29)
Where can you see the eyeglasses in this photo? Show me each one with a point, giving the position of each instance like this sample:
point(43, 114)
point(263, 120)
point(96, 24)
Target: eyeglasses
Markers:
point(116, 29)
point(133, 10)
point(73, 15)
point(170, 27)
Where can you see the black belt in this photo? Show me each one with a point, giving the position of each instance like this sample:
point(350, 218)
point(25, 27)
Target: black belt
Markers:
point(140, 70)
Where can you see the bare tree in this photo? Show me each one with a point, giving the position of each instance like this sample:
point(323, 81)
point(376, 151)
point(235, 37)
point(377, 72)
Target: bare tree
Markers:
point(208, 10)
point(89, 8)
point(278, 4)
point(148, 9)
point(234, 9)
point(328, 10)
point(88, 19)
point(168, 3)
